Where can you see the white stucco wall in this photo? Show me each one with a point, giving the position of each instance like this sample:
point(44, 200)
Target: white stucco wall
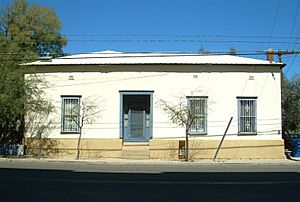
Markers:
point(222, 88)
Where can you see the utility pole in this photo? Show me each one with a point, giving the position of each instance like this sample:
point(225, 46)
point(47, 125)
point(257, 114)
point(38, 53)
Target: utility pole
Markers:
point(280, 53)
point(271, 53)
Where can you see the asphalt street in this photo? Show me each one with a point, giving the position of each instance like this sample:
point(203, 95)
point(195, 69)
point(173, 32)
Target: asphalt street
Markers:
point(32, 180)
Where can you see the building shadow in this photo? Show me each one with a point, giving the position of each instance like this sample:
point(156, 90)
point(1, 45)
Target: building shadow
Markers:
point(68, 185)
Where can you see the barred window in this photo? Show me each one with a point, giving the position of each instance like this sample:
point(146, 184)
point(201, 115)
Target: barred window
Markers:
point(70, 114)
point(197, 107)
point(247, 115)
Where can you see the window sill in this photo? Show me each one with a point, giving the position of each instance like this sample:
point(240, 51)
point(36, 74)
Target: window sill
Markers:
point(69, 133)
point(194, 134)
point(247, 134)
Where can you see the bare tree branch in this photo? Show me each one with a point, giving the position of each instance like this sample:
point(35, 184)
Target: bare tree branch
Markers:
point(89, 111)
point(179, 114)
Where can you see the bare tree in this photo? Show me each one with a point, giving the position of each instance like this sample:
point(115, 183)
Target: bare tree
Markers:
point(181, 115)
point(88, 113)
point(37, 108)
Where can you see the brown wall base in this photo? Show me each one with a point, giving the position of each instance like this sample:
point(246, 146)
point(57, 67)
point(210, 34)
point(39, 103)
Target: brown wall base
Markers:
point(231, 149)
point(159, 148)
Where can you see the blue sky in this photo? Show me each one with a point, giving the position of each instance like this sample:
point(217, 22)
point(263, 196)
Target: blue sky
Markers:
point(180, 25)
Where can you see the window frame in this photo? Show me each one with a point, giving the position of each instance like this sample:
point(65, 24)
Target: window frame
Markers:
point(200, 116)
point(70, 97)
point(252, 117)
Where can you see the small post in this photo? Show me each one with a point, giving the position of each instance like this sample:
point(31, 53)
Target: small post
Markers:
point(219, 147)
point(181, 149)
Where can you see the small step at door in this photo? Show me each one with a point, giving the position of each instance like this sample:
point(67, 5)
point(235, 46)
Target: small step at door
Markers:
point(135, 150)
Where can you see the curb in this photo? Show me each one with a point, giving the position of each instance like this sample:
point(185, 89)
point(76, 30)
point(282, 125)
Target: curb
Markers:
point(288, 161)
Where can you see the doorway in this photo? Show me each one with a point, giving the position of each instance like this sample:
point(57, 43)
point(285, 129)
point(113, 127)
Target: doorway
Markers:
point(136, 115)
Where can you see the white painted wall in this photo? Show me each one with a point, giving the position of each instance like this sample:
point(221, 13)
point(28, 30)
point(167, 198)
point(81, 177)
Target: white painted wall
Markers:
point(221, 89)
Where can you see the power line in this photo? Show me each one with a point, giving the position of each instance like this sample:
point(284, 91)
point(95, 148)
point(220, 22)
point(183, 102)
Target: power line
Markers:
point(178, 36)
point(294, 45)
point(294, 22)
point(295, 40)
point(111, 80)
point(100, 55)
point(181, 36)
point(166, 52)
point(174, 41)
point(274, 22)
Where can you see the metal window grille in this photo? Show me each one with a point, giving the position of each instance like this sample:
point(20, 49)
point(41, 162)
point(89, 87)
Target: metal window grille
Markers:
point(197, 115)
point(247, 116)
point(70, 114)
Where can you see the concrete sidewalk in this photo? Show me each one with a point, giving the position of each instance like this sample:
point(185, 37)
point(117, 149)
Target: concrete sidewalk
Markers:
point(292, 161)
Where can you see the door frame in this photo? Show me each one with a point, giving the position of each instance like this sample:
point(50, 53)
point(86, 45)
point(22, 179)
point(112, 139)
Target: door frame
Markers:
point(121, 116)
